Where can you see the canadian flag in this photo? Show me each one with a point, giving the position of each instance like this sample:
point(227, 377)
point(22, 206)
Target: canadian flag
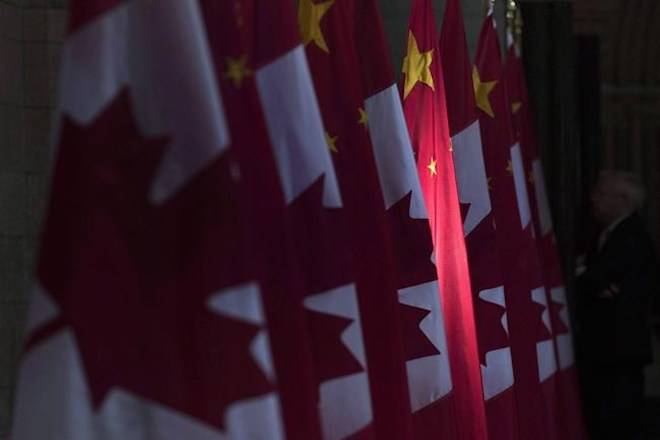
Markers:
point(528, 308)
point(573, 426)
point(163, 306)
point(490, 304)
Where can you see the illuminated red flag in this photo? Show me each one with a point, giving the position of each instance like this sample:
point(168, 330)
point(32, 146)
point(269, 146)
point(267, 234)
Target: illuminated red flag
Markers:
point(479, 228)
point(426, 115)
point(164, 306)
point(382, 410)
point(528, 310)
point(545, 240)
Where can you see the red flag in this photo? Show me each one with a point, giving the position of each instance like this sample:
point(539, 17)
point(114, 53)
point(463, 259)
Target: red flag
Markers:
point(163, 308)
point(545, 240)
point(527, 304)
point(426, 116)
point(479, 228)
point(329, 31)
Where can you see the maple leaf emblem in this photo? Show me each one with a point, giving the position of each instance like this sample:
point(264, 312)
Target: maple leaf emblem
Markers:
point(412, 243)
point(134, 279)
point(413, 246)
point(492, 335)
point(416, 343)
point(321, 240)
point(558, 324)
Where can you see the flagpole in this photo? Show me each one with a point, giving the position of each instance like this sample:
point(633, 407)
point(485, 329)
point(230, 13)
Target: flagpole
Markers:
point(518, 23)
point(514, 21)
point(489, 5)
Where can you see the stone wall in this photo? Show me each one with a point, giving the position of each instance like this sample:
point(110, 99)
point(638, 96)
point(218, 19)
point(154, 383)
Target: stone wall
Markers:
point(31, 33)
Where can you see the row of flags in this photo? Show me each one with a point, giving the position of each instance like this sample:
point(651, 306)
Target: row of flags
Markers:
point(255, 233)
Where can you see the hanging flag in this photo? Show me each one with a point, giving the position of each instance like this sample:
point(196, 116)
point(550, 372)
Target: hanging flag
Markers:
point(426, 115)
point(479, 228)
point(528, 309)
point(160, 310)
point(382, 410)
point(545, 240)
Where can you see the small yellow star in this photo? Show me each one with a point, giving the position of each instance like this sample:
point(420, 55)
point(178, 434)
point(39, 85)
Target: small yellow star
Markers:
point(331, 142)
point(364, 118)
point(416, 66)
point(515, 106)
point(309, 20)
point(509, 167)
point(237, 70)
point(432, 167)
point(481, 92)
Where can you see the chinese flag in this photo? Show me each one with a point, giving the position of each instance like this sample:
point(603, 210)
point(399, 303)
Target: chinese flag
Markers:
point(528, 309)
point(545, 239)
point(426, 116)
point(479, 228)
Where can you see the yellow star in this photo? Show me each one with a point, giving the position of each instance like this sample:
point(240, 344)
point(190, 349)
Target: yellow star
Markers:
point(364, 118)
point(416, 66)
point(432, 167)
point(237, 70)
point(509, 167)
point(481, 92)
point(515, 106)
point(309, 20)
point(331, 142)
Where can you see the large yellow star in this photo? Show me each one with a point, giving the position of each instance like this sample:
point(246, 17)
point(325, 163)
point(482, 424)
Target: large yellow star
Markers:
point(309, 20)
point(432, 167)
point(416, 66)
point(481, 92)
point(237, 70)
point(331, 142)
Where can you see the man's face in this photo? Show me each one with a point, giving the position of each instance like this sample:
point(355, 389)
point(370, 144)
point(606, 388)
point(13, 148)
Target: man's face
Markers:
point(607, 202)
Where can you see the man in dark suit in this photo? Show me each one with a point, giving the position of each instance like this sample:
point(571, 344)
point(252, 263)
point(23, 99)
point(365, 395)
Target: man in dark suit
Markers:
point(615, 284)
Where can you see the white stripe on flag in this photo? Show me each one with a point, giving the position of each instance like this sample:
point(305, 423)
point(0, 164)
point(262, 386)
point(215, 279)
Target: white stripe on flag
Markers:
point(471, 175)
point(519, 179)
point(295, 127)
point(159, 50)
point(393, 152)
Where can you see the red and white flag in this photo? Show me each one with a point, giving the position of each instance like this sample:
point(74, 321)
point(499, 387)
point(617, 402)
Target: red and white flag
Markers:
point(490, 305)
point(163, 307)
point(426, 116)
point(392, 309)
point(572, 425)
point(528, 309)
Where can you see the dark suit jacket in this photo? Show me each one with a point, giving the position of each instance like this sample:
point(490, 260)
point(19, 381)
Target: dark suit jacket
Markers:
point(617, 330)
